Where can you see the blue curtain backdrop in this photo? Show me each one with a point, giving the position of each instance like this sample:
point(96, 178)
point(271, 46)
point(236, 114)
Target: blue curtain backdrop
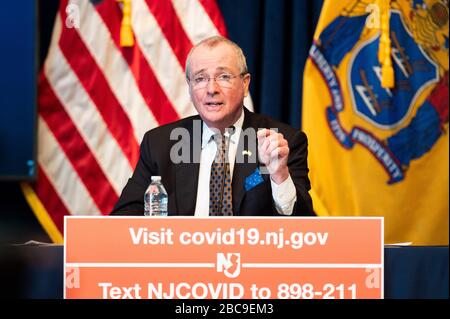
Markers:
point(276, 36)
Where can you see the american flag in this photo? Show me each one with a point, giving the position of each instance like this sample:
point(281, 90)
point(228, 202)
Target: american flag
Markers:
point(97, 98)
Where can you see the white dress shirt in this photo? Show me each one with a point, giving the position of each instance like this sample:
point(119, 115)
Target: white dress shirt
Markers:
point(284, 194)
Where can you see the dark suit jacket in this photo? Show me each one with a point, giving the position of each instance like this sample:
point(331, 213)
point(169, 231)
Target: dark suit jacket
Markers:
point(180, 180)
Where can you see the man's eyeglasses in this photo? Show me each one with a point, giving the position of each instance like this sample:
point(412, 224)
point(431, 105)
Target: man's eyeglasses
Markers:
point(224, 80)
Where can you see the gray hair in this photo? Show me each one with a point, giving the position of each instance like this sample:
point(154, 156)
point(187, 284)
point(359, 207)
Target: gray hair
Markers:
point(214, 41)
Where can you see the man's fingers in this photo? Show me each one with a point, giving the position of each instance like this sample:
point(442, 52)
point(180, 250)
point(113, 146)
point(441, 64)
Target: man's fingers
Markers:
point(262, 133)
point(279, 152)
point(272, 145)
point(264, 145)
point(275, 141)
point(271, 135)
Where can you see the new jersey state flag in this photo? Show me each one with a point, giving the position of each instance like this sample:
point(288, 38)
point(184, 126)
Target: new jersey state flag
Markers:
point(377, 150)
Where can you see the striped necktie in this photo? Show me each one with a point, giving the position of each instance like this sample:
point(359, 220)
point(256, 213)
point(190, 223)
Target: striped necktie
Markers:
point(220, 197)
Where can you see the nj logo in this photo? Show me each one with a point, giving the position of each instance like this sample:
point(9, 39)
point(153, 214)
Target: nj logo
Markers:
point(229, 264)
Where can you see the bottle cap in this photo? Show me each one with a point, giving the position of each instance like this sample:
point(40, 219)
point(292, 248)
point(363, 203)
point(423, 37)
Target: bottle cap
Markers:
point(156, 178)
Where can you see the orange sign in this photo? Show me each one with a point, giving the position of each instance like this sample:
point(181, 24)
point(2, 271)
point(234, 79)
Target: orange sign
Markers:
point(223, 257)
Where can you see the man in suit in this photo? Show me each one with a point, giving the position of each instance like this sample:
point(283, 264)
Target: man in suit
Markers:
point(226, 160)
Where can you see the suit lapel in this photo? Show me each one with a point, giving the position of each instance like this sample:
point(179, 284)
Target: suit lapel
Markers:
point(244, 168)
point(186, 174)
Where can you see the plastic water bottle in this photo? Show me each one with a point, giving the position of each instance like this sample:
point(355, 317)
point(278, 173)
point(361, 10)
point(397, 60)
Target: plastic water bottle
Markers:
point(155, 198)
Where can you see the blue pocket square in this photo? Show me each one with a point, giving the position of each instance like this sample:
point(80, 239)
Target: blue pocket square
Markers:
point(253, 180)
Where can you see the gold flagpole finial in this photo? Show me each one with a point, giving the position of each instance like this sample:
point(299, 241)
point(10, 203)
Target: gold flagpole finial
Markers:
point(384, 50)
point(126, 33)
